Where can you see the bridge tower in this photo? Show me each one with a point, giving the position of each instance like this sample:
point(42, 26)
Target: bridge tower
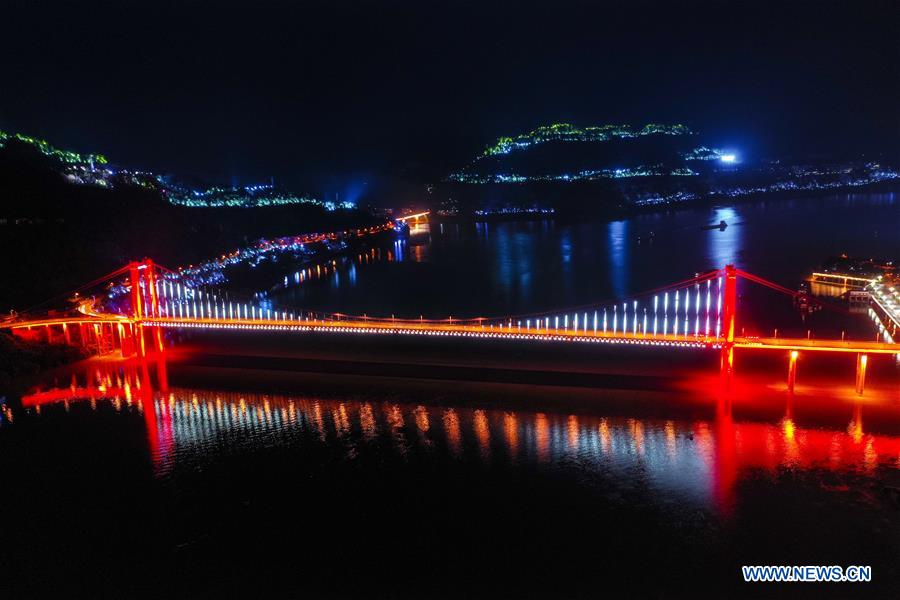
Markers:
point(154, 311)
point(729, 312)
point(134, 273)
point(143, 275)
point(137, 306)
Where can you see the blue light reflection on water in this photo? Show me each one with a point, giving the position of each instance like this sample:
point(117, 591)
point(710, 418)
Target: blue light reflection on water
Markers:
point(496, 269)
point(725, 245)
point(619, 247)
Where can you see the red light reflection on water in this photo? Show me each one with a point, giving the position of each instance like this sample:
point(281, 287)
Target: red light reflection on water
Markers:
point(700, 458)
point(129, 382)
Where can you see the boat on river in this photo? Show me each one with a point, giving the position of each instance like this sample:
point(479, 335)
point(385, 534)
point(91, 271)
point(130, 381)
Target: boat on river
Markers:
point(721, 226)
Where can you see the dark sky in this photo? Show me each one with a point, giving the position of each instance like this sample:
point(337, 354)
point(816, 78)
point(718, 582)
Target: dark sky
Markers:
point(326, 94)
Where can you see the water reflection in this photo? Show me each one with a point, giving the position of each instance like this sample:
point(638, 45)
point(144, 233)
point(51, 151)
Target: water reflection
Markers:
point(514, 251)
point(725, 245)
point(499, 269)
point(697, 460)
point(452, 431)
point(342, 271)
point(619, 245)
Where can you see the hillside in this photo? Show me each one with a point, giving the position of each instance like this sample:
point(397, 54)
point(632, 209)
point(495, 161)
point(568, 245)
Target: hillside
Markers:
point(586, 170)
point(60, 233)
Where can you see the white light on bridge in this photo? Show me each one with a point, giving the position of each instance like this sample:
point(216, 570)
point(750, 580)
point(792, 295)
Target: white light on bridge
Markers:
point(634, 325)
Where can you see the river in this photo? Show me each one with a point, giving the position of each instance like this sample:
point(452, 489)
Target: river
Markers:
point(268, 474)
point(498, 269)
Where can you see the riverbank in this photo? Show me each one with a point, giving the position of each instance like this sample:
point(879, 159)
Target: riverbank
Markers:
point(597, 211)
point(20, 358)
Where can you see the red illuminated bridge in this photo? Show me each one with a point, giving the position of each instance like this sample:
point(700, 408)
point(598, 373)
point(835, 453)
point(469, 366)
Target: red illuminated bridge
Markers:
point(142, 300)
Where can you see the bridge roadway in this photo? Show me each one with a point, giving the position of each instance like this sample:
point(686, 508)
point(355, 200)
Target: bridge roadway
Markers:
point(150, 303)
point(432, 328)
point(467, 329)
point(67, 320)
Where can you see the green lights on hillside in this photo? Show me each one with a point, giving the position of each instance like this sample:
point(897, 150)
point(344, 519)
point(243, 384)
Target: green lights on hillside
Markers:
point(66, 156)
point(566, 132)
point(85, 169)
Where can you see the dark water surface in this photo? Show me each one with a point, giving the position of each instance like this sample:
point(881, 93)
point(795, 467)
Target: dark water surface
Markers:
point(499, 269)
point(287, 469)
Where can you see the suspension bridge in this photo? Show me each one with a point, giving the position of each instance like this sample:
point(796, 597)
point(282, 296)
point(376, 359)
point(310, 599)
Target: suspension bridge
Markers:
point(134, 306)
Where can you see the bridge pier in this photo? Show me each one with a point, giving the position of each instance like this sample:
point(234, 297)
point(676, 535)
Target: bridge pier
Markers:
point(861, 361)
point(141, 340)
point(98, 338)
point(125, 345)
point(103, 342)
point(133, 338)
point(792, 370)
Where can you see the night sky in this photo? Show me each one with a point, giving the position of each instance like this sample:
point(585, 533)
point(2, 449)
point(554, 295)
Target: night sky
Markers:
point(326, 95)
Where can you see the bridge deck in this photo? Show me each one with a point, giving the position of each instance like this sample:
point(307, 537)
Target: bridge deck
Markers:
point(817, 345)
point(485, 331)
point(400, 327)
point(70, 320)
